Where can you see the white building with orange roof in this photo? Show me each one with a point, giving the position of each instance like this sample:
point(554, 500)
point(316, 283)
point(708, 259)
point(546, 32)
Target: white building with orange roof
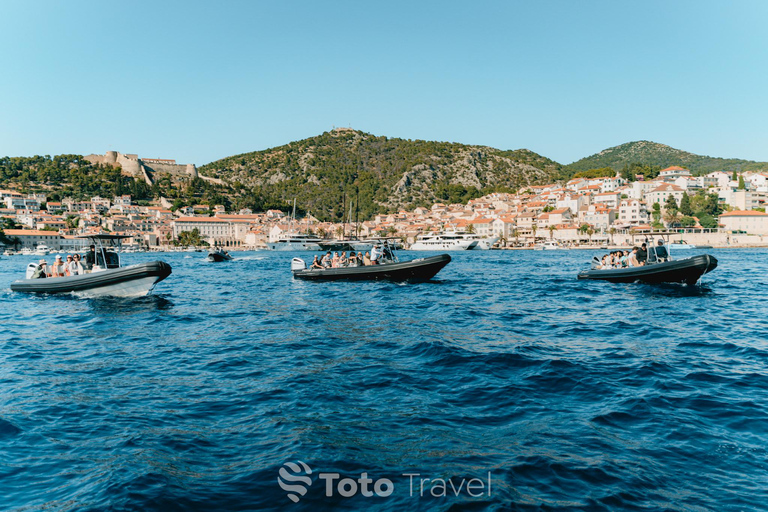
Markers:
point(31, 238)
point(662, 192)
point(748, 221)
point(598, 216)
point(673, 172)
point(611, 199)
point(722, 178)
point(612, 184)
point(632, 212)
point(503, 226)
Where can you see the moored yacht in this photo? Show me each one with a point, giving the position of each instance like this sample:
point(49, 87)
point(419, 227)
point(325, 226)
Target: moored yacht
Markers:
point(452, 241)
point(295, 242)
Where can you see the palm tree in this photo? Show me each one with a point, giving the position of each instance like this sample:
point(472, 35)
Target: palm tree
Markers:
point(612, 232)
point(515, 233)
point(533, 230)
point(671, 216)
point(340, 232)
point(471, 229)
point(551, 231)
point(590, 232)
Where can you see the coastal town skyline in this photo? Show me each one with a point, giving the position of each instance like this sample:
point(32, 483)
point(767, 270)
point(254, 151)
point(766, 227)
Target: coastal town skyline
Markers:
point(555, 78)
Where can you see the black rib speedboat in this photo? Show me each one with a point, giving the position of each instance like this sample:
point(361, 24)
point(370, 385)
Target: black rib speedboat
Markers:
point(219, 256)
point(418, 270)
point(687, 270)
point(106, 277)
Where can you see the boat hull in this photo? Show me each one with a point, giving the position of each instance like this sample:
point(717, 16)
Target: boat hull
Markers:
point(132, 281)
point(418, 270)
point(687, 271)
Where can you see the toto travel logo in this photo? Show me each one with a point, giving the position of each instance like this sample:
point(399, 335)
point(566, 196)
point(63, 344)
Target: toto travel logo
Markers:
point(294, 480)
point(291, 482)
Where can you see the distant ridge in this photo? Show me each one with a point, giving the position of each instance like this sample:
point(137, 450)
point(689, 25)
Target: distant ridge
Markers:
point(652, 153)
point(386, 174)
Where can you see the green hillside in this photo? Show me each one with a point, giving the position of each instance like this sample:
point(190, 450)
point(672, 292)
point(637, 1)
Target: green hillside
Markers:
point(384, 173)
point(653, 154)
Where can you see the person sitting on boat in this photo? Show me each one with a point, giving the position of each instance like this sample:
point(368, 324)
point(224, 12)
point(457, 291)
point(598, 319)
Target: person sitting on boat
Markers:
point(316, 263)
point(625, 259)
point(343, 261)
point(661, 252)
point(632, 258)
point(75, 266)
point(41, 271)
point(57, 269)
point(360, 260)
point(367, 259)
point(326, 260)
point(335, 260)
point(642, 255)
point(352, 262)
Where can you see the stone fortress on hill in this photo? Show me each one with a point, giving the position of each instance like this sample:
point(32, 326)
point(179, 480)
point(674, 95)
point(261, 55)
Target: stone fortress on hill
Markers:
point(145, 168)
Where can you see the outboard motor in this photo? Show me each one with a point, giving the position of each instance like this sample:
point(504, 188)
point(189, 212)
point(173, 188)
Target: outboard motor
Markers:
point(31, 269)
point(298, 264)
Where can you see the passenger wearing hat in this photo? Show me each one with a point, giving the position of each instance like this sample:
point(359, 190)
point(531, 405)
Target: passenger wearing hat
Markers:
point(58, 269)
point(41, 270)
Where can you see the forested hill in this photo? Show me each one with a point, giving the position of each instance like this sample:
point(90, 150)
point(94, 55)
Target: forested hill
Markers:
point(655, 154)
point(384, 173)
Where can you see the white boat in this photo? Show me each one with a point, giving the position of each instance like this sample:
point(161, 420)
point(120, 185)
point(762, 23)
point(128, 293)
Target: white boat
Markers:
point(452, 241)
point(295, 242)
point(549, 245)
point(41, 250)
point(683, 245)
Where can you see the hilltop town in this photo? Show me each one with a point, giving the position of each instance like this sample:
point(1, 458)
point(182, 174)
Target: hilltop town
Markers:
point(717, 208)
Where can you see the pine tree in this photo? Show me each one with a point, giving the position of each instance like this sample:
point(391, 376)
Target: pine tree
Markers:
point(685, 205)
point(671, 204)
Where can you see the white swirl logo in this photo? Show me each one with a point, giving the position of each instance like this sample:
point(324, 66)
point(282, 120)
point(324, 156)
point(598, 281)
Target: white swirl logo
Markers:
point(286, 480)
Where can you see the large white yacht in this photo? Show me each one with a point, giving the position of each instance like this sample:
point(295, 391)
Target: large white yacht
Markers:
point(452, 241)
point(295, 242)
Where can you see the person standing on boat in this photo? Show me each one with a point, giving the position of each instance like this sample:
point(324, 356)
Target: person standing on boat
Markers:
point(375, 254)
point(90, 258)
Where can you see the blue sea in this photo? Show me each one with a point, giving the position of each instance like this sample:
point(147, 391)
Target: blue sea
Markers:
point(504, 383)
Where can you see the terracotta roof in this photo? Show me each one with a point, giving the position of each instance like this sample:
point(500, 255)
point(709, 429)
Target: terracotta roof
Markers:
point(738, 213)
point(199, 219)
point(29, 232)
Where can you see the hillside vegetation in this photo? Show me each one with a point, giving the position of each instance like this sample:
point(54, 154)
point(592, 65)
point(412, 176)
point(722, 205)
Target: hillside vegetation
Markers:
point(653, 154)
point(385, 174)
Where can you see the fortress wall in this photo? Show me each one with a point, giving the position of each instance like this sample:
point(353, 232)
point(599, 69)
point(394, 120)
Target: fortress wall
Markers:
point(174, 169)
point(129, 165)
point(94, 159)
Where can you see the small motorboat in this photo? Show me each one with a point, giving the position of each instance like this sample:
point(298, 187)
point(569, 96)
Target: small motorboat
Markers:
point(418, 270)
point(219, 255)
point(684, 245)
point(687, 270)
point(106, 278)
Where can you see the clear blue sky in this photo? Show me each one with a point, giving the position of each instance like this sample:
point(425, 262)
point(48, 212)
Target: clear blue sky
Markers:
point(198, 81)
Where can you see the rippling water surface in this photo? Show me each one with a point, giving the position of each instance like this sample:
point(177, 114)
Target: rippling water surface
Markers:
point(571, 394)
